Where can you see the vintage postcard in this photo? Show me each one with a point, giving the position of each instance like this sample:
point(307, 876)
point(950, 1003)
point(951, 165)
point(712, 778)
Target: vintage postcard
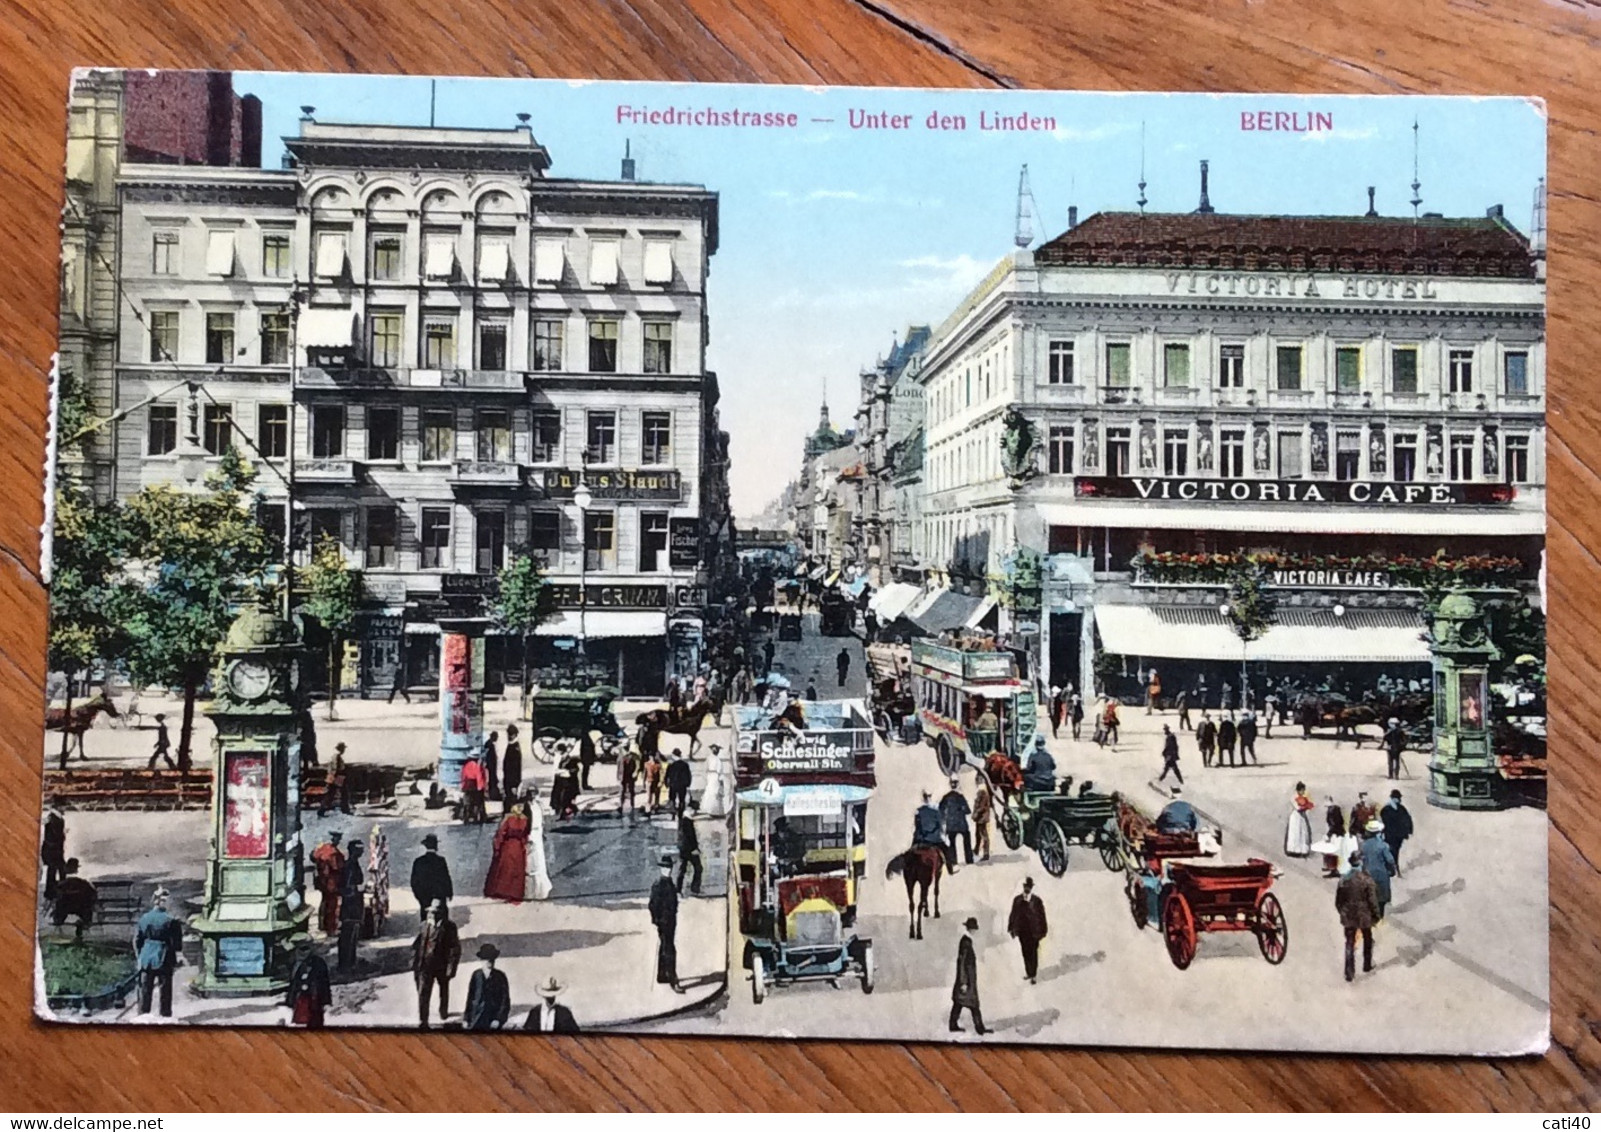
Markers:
point(749, 560)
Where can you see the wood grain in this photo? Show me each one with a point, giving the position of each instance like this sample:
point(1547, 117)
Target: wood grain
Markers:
point(1352, 47)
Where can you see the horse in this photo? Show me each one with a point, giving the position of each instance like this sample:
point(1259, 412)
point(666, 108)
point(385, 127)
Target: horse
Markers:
point(1005, 776)
point(687, 723)
point(78, 720)
point(920, 865)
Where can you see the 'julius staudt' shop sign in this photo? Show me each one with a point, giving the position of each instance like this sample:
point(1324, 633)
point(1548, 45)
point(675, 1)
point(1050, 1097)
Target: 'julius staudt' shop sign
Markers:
point(1351, 492)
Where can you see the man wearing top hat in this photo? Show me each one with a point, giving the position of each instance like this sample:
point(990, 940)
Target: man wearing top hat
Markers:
point(430, 877)
point(488, 994)
point(550, 1016)
point(664, 915)
point(964, 991)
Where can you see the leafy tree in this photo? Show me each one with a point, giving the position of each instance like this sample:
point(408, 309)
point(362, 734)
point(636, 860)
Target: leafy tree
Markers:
point(522, 600)
point(1252, 608)
point(333, 593)
point(193, 557)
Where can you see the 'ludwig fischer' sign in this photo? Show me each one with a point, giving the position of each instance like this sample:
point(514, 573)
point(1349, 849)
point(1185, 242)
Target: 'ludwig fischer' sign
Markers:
point(613, 483)
point(1357, 492)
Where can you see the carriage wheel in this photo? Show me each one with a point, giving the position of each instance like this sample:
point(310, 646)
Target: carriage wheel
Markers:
point(1136, 902)
point(946, 756)
point(1272, 929)
point(1111, 855)
point(867, 968)
point(1052, 845)
point(1011, 828)
point(1178, 926)
point(758, 980)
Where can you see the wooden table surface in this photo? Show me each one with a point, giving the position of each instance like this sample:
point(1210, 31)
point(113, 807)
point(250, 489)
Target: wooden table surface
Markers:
point(1378, 46)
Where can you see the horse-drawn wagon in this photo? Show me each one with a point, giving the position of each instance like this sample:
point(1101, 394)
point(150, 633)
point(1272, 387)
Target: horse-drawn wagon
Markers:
point(800, 842)
point(560, 716)
point(1049, 823)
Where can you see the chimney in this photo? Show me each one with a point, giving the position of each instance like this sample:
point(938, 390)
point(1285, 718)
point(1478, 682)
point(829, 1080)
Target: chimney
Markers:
point(1206, 203)
point(1494, 212)
point(1371, 210)
point(250, 132)
point(219, 117)
point(1072, 217)
point(628, 161)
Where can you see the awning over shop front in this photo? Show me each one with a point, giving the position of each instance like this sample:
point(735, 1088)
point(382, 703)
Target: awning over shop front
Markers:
point(983, 610)
point(605, 623)
point(1302, 520)
point(893, 600)
point(943, 610)
point(1370, 636)
point(326, 326)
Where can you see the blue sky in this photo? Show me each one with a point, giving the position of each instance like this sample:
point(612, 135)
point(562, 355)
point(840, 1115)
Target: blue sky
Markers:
point(834, 239)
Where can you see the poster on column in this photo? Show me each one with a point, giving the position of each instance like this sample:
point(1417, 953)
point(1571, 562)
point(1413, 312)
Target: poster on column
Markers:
point(1147, 489)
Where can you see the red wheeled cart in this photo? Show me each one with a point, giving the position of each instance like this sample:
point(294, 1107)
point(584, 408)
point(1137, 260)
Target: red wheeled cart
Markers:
point(1222, 898)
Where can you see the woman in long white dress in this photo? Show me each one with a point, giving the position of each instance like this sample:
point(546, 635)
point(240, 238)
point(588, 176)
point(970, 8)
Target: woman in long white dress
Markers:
point(1298, 831)
point(536, 880)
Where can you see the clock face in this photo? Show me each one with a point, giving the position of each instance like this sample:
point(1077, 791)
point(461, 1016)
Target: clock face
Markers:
point(249, 681)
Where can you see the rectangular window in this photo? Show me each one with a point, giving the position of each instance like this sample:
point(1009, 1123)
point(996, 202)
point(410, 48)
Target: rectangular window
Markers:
point(1461, 376)
point(439, 255)
point(1347, 369)
point(384, 344)
point(550, 259)
point(656, 438)
point(546, 436)
point(494, 436)
point(1290, 465)
point(438, 435)
point(1517, 373)
point(383, 432)
point(217, 436)
point(386, 249)
point(600, 540)
point(1517, 459)
point(330, 261)
point(602, 346)
point(164, 253)
point(603, 263)
point(1406, 457)
point(658, 347)
point(439, 343)
point(219, 253)
point(652, 541)
point(1289, 368)
point(544, 535)
point(1060, 452)
point(1404, 369)
point(1347, 456)
point(325, 523)
point(274, 339)
point(163, 336)
point(1117, 364)
point(494, 258)
point(1117, 451)
point(434, 534)
point(658, 262)
point(219, 337)
point(602, 442)
point(1176, 365)
point(272, 431)
point(1176, 453)
point(1231, 454)
point(382, 536)
point(492, 345)
point(491, 541)
point(161, 431)
point(1060, 360)
point(327, 431)
point(548, 338)
point(1462, 446)
point(1231, 367)
point(275, 256)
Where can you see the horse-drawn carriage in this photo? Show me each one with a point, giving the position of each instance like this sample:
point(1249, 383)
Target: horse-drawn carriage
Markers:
point(1167, 885)
point(1049, 823)
point(560, 716)
point(800, 844)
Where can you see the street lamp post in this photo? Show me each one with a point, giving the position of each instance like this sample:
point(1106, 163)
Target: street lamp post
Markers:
point(581, 501)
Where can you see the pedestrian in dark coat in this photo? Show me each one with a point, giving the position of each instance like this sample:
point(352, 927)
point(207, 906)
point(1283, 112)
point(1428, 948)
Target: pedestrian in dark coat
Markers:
point(688, 855)
point(53, 852)
point(1356, 898)
point(491, 760)
point(511, 771)
point(842, 664)
point(550, 1016)
point(1058, 709)
point(664, 915)
point(309, 994)
point(430, 878)
point(1170, 755)
point(964, 991)
point(1077, 714)
point(435, 955)
point(1027, 925)
point(1182, 702)
point(163, 747)
point(1379, 863)
point(678, 780)
point(1226, 733)
point(1206, 737)
point(351, 907)
point(1247, 735)
point(954, 810)
point(1394, 744)
point(158, 942)
point(1397, 826)
point(488, 994)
